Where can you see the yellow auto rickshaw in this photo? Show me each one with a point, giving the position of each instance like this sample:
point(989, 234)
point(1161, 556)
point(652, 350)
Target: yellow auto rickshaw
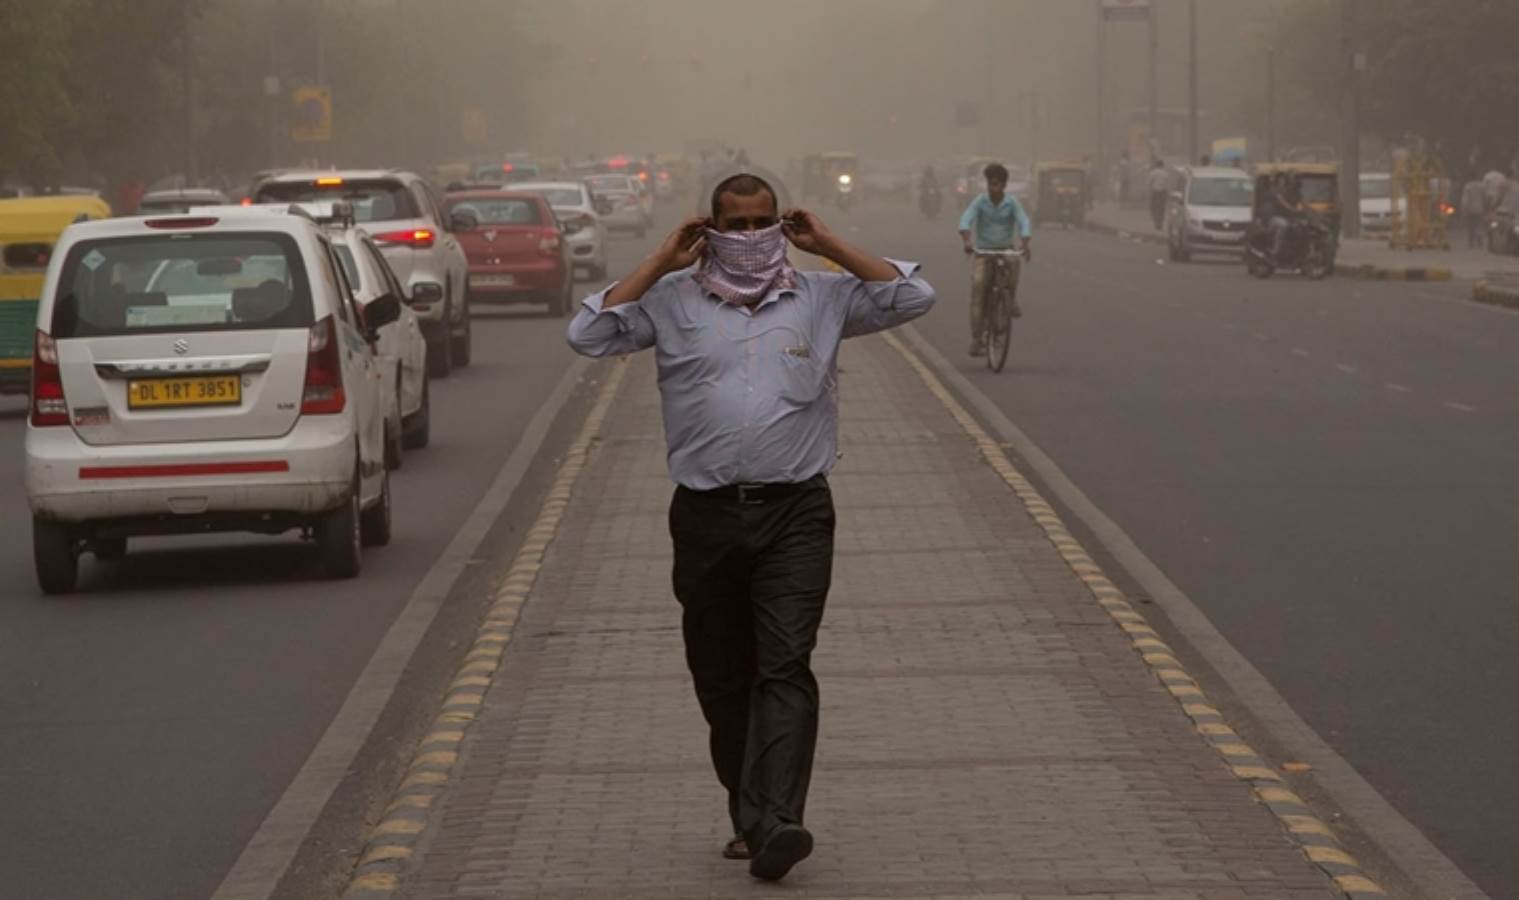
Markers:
point(1318, 186)
point(29, 227)
point(1060, 193)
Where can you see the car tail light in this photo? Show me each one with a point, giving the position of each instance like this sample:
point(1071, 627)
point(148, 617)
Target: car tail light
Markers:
point(323, 391)
point(48, 404)
point(664, 176)
point(548, 242)
point(416, 238)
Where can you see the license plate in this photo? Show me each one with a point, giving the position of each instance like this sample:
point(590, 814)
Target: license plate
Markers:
point(493, 280)
point(215, 390)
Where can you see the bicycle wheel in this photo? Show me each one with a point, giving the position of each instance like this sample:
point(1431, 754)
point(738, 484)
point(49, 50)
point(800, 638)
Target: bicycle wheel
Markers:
point(1001, 318)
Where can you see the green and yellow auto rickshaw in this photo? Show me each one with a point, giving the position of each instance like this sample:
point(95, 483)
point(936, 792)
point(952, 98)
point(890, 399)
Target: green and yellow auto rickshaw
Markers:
point(29, 227)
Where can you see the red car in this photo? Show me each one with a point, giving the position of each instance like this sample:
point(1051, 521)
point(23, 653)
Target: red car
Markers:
point(516, 252)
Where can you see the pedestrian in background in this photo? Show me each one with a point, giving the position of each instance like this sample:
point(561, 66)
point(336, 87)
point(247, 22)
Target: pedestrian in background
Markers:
point(1475, 212)
point(747, 350)
point(1159, 182)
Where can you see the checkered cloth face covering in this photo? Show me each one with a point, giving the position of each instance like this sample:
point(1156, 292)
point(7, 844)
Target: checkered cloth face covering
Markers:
point(744, 266)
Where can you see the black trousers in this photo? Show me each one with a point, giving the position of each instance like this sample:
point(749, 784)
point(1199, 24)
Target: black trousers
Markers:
point(752, 579)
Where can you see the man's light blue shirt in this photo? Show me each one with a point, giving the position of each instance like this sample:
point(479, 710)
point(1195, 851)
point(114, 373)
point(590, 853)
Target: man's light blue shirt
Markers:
point(992, 224)
point(749, 395)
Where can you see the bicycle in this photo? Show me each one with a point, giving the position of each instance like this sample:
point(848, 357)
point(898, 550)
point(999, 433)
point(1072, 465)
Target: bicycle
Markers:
point(997, 322)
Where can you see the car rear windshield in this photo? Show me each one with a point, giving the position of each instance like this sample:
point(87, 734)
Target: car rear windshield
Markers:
point(609, 183)
point(1376, 188)
point(376, 200)
point(499, 212)
point(1221, 192)
point(561, 196)
point(181, 282)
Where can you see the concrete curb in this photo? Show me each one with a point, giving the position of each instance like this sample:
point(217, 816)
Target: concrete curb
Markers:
point(1393, 273)
point(1147, 237)
point(1496, 295)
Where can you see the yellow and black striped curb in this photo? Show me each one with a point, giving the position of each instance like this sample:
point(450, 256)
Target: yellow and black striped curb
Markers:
point(390, 844)
point(1311, 834)
point(1393, 273)
point(1496, 295)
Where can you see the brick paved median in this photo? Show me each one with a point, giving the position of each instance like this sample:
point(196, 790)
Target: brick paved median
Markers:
point(986, 731)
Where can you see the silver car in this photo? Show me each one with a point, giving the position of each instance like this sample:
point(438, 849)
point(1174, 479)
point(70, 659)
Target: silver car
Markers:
point(585, 235)
point(627, 207)
point(404, 216)
point(1209, 211)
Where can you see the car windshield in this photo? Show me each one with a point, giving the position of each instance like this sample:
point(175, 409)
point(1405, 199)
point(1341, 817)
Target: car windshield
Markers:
point(498, 212)
point(609, 182)
point(379, 200)
point(1376, 188)
point(181, 282)
point(1220, 192)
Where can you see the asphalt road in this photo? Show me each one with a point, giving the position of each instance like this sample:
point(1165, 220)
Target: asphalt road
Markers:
point(1327, 469)
point(149, 722)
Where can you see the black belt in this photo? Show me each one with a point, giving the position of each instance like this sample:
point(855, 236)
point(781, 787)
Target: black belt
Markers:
point(751, 494)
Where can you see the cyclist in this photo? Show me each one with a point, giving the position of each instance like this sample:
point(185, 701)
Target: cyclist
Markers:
point(994, 220)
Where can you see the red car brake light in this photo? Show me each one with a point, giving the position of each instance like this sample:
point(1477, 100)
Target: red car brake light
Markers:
point(322, 393)
point(49, 407)
point(182, 222)
point(548, 242)
point(416, 238)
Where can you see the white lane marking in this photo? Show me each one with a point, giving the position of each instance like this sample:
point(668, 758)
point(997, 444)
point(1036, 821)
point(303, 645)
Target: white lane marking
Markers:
point(1400, 388)
point(1299, 351)
point(1346, 368)
point(1459, 407)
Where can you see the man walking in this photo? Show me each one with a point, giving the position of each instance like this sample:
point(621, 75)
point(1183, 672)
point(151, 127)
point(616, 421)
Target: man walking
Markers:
point(1159, 182)
point(747, 351)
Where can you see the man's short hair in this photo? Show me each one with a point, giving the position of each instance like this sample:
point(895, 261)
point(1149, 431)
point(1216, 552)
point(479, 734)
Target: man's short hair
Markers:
point(995, 172)
point(742, 185)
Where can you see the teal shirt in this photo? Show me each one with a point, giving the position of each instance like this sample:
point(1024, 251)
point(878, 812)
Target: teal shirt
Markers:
point(993, 226)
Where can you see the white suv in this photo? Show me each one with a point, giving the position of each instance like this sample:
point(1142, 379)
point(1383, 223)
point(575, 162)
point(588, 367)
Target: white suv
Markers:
point(405, 217)
point(199, 373)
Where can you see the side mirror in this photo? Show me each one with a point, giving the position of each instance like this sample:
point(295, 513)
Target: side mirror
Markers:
point(379, 312)
point(426, 293)
point(462, 220)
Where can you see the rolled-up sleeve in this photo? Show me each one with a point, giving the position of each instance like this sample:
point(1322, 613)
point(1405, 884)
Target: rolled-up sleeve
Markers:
point(873, 306)
point(968, 218)
point(625, 328)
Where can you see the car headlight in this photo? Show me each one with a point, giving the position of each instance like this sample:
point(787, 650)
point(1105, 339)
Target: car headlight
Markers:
point(845, 179)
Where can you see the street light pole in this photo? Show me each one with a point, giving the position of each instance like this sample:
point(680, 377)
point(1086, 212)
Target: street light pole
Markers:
point(1154, 22)
point(1350, 150)
point(1192, 138)
point(1271, 104)
point(192, 153)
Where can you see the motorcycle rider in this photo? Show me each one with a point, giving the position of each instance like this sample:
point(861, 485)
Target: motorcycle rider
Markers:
point(929, 195)
point(995, 220)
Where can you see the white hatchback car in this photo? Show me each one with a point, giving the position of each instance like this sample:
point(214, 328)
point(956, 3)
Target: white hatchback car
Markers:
point(200, 373)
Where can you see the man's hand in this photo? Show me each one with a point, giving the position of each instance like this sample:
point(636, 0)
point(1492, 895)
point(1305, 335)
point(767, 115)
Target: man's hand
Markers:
point(1028, 250)
point(807, 232)
point(684, 246)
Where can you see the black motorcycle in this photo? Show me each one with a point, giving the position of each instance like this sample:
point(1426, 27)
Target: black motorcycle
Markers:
point(1307, 249)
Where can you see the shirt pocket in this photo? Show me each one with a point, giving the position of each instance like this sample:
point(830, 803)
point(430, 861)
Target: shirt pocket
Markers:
point(802, 376)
